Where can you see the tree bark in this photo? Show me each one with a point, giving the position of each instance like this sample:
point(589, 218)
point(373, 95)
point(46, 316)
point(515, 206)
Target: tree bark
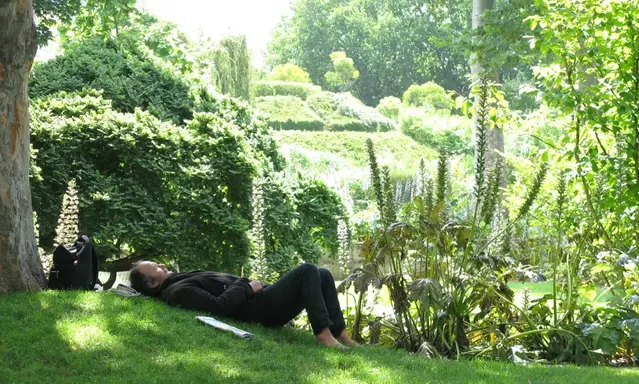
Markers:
point(20, 265)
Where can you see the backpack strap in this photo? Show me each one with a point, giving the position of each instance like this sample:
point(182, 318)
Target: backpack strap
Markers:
point(95, 263)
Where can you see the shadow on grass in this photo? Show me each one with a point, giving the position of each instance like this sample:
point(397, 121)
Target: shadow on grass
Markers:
point(88, 337)
point(99, 337)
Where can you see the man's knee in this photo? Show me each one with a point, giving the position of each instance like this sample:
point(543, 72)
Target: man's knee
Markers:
point(309, 268)
point(325, 274)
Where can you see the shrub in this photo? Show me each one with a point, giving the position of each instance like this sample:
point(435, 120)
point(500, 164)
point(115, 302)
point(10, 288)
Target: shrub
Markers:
point(289, 72)
point(429, 95)
point(319, 209)
point(301, 220)
point(126, 76)
point(289, 113)
point(232, 67)
point(344, 72)
point(343, 112)
point(241, 114)
point(451, 134)
point(155, 190)
point(284, 88)
point(390, 107)
point(145, 187)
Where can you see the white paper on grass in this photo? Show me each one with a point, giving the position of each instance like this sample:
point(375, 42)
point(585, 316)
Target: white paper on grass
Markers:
point(225, 327)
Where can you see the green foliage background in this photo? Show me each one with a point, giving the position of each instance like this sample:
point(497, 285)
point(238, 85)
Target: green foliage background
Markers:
point(394, 44)
point(126, 76)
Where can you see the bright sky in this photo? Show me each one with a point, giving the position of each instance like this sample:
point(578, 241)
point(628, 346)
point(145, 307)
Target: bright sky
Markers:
point(215, 18)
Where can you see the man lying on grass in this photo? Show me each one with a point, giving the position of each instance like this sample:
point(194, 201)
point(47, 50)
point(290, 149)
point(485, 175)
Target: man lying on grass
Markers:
point(220, 294)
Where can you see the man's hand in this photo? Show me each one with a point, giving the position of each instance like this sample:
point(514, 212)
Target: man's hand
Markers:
point(256, 285)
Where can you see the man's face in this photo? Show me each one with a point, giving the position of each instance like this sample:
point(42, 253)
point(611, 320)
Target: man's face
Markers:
point(154, 271)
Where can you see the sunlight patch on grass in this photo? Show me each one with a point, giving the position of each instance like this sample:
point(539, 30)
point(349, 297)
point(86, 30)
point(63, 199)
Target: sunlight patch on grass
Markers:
point(85, 337)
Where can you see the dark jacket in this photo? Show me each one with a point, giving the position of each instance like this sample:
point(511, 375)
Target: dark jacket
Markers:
point(219, 294)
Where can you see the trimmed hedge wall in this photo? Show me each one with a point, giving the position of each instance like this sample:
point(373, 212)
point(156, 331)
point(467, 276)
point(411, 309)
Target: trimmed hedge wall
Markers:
point(289, 113)
point(343, 112)
point(285, 88)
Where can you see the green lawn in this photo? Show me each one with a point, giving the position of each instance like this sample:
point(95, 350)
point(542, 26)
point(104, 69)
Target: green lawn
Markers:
point(537, 290)
point(87, 337)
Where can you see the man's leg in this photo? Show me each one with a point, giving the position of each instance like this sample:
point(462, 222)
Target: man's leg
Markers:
point(299, 289)
point(329, 291)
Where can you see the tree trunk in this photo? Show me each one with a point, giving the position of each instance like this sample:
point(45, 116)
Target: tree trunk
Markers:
point(479, 7)
point(20, 266)
point(495, 142)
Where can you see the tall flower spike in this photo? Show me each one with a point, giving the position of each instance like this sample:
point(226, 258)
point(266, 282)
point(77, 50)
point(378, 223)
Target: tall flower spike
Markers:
point(343, 250)
point(259, 266)
point(375, 176)
point(67, 229)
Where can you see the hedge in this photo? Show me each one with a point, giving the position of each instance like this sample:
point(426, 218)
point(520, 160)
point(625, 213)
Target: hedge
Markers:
point(343, 112)
point(289, 113)
point(285, 88)
point(449, 133)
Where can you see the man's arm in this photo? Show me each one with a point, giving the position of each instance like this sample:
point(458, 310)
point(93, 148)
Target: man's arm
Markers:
point(195, 298)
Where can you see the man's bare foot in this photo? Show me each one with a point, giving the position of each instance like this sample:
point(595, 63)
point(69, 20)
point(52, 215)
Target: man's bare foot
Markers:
point(346, 340)
point(327, 339)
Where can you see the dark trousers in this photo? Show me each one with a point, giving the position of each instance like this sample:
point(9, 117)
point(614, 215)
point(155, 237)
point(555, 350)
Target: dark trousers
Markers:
point(305, 287)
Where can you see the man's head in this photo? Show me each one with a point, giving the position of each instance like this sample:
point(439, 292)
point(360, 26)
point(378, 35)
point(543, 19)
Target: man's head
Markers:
point(146, 276)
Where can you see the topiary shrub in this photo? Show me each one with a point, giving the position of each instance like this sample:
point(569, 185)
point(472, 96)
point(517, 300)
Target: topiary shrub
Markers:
point(127, 78)
point(289, 72)
point(289, 113)
point(285, 88)
point(390, 107)
point(429, 95)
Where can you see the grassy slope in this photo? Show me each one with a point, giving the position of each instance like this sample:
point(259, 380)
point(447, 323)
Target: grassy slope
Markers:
point(393, 148)
point(87, 337)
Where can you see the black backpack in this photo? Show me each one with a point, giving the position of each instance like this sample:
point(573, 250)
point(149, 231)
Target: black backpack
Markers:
point(74, 267)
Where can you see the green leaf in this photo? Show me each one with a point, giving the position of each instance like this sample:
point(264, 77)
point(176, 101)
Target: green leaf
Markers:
point(603, 338)
point(544, 156)
point(601, 268)
point(632, 328)
point(588, 291)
